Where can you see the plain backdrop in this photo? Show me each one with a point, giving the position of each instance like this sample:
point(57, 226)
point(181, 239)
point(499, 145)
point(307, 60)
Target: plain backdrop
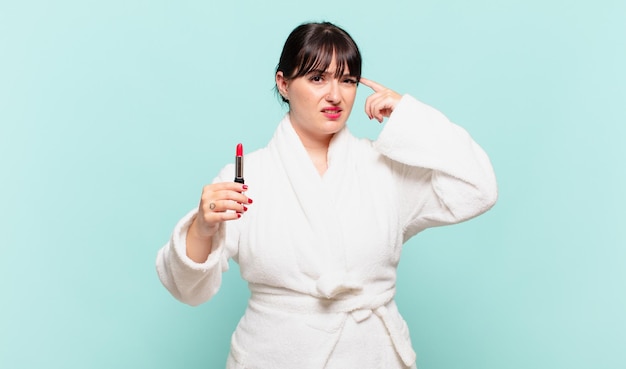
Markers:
point(114, 114)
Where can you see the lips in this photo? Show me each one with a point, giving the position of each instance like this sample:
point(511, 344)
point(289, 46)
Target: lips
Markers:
point(332, 112)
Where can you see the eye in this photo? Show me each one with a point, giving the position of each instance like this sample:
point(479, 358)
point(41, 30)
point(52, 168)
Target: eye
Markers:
point(316, 78)
point(351, 81)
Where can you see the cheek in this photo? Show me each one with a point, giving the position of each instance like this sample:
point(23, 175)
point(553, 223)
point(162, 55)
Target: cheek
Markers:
point(350, 99)
point(307, 98)
point(349, 94)
point(299, 101)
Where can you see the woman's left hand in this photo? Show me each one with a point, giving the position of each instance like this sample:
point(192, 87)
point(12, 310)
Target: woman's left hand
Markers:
point(382, 102)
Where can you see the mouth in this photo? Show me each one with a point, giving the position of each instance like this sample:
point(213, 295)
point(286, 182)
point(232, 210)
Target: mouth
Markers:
point(332, 112)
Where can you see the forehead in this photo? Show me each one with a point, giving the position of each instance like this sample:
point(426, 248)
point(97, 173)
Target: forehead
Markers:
point(326, 63)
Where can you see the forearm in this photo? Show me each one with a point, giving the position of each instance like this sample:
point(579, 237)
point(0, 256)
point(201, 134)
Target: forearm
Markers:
point(198, 246)
point(444, 176)
point(187, 280)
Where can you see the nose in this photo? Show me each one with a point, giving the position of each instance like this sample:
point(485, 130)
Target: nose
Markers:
point(334, 93)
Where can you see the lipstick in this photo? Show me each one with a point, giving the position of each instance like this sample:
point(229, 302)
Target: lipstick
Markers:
point(332, 112)
point(239, 164)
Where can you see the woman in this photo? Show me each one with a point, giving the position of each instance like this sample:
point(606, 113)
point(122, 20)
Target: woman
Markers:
point(320, 244)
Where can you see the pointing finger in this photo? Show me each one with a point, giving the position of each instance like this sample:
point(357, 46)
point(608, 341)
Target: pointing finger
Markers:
point(371, 84)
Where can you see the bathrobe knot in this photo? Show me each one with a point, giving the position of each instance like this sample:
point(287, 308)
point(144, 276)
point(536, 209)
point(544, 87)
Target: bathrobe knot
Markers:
point(360, 305)
point(332, 284)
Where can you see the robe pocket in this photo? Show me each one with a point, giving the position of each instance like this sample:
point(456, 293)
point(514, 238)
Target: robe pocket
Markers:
point(237, 357)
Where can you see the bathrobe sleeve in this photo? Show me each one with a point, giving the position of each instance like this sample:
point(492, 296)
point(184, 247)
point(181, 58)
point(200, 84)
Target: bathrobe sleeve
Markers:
point(442, 175)
point(190, 282)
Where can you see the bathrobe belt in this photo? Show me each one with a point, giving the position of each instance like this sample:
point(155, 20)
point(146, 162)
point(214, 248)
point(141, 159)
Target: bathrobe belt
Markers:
point(360, 307)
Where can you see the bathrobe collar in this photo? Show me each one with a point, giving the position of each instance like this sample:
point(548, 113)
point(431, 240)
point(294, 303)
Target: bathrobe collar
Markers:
point(317, 197)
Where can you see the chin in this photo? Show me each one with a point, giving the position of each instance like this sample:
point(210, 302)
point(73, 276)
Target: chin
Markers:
point(333, 127)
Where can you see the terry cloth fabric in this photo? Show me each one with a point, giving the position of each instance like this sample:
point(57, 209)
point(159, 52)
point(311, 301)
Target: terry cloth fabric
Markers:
point(320, 253)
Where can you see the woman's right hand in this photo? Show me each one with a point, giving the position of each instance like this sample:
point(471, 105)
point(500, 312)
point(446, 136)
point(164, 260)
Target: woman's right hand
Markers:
point(219, 202)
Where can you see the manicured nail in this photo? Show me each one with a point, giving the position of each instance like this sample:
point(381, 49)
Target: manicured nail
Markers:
point(245, 208)
point(245, 187)
point(238, 215)
point(249, 201)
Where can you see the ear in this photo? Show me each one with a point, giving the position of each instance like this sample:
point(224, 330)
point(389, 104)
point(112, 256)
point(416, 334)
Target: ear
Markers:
point(281, 84)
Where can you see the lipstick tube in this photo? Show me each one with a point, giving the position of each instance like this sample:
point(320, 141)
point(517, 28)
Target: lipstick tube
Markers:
point(239, 164)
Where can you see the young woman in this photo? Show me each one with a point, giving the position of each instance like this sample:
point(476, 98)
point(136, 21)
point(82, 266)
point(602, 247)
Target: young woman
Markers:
point(320, 244)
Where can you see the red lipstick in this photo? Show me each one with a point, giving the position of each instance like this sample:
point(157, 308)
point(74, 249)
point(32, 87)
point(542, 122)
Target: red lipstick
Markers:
point(332, 112)
point(239, 164)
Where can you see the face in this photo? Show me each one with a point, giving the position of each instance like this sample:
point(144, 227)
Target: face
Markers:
point(319, 103)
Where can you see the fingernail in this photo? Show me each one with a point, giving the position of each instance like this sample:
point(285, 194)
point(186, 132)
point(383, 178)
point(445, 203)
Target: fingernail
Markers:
point(245, 208)
point(245, 187)
point(249, 201)
point(238, 215)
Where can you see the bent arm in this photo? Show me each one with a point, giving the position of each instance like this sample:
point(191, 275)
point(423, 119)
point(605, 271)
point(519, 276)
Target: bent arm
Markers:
point(195, 282)
point(188, 281)
point(444, 176)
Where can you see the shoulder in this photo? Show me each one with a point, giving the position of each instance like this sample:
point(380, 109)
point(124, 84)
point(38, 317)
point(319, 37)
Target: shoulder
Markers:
point(257, 155)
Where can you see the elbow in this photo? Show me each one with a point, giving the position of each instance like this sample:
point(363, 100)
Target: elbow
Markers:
point(479, 196)
point(196, 297)
point(191, 302)
point(190, 289)
point(482, 199)
point(471, 203)
point(489, 196)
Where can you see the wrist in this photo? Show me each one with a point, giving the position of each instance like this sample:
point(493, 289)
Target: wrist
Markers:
point(200, 233)
point(199, 244)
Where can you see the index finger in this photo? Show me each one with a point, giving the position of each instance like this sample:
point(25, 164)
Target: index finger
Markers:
point(371, 84)
point(232, 186)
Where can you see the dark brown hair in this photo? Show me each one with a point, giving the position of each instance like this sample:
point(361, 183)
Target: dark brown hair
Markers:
point(312, 46)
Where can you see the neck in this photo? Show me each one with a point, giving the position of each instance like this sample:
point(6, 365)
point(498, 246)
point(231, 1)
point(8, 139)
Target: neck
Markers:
point(317, 143)
point(319, 157)
point(317, 148)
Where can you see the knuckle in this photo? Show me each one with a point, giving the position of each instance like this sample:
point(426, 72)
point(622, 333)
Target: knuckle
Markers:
point(206, 199)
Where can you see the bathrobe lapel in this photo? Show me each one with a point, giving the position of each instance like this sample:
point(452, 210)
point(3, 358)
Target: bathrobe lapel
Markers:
point(319, 198)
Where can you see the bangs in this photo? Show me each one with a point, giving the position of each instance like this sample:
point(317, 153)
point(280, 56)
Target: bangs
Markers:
point(317, 54)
